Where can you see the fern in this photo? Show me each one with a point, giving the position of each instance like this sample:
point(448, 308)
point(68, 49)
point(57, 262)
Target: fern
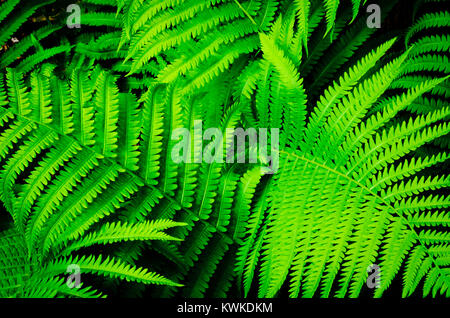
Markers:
point(89, 122)
point(40, 210)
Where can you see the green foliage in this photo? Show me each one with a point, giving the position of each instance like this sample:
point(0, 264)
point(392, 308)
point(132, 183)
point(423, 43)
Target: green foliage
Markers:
point(57, 189)
point(87, 176)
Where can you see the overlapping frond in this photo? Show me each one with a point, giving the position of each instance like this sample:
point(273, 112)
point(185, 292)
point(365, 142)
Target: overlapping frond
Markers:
point(105, 136)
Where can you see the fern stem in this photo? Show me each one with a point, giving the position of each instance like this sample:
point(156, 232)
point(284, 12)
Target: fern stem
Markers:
point(245, 11)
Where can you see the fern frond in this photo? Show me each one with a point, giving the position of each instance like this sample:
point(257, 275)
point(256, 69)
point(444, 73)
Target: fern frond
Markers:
point(430, 20)
point(117, 232)
point(106, 102)
point(337, 91)
point(108, 267)
point(8, 29)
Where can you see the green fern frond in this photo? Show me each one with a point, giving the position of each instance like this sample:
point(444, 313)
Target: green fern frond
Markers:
point(117, 232)
point(108, 267)
point(90, 121)
point(430, 20)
